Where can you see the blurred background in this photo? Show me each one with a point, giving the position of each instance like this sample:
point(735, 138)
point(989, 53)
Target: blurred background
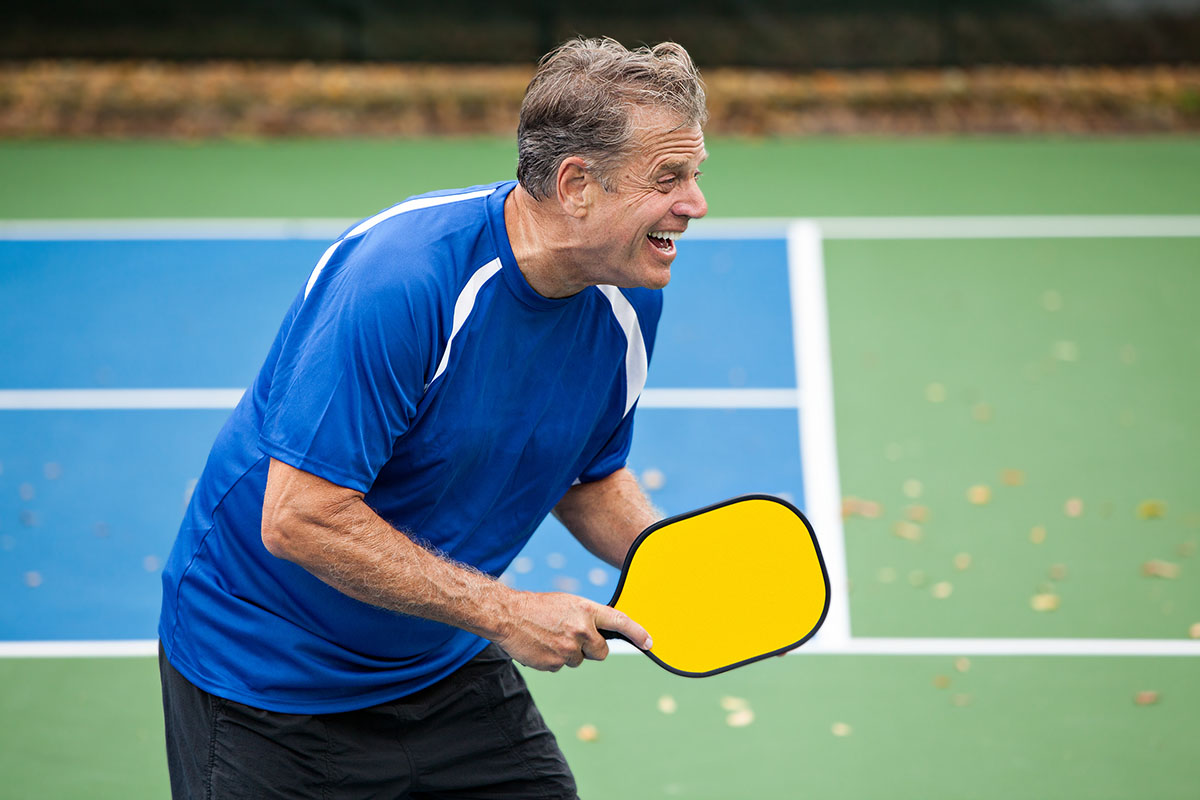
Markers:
point(945, 302)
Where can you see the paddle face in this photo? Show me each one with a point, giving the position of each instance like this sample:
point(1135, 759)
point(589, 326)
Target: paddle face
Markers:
point(725, 585)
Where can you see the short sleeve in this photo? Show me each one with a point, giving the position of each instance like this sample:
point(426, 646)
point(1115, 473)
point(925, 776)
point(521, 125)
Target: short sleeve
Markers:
point(614, 454)
point(349, 375)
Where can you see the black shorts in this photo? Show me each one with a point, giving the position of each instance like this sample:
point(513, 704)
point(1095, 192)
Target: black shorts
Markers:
point(475, 734)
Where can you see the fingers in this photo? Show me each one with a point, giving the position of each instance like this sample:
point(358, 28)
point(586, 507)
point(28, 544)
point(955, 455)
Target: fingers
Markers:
point(595, 648)
point(610, 619)
point(558, 630)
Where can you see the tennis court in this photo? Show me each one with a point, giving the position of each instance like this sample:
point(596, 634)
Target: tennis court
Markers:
point(1011, 388)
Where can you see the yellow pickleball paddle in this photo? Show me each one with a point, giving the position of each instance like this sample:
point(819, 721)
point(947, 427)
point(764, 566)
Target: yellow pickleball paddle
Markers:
point(726, 585)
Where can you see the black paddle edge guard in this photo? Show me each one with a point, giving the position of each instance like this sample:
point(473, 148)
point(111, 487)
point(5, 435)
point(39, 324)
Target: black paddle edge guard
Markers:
point(679, 518)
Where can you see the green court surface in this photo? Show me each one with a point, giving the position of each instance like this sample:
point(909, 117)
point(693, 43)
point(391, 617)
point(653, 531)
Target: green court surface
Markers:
point(1007, 727)
point(1066, 366)
point(772, 178)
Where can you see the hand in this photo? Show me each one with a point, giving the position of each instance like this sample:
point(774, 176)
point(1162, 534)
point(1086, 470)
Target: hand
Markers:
point(551, 630)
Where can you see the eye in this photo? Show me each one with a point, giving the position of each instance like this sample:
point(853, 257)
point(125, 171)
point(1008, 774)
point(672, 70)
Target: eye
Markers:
point(668, 181)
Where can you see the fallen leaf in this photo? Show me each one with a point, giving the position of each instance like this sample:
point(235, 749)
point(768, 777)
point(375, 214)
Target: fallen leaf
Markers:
point(734, 703)
point(1045, 602)
point(979, 495)
point(740, 718)
point(1012, 477)
point(1160, 569)
point(1151, 509)
point(653, 479)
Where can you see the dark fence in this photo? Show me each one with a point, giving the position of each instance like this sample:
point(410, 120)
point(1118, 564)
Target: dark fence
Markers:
point(760, 33)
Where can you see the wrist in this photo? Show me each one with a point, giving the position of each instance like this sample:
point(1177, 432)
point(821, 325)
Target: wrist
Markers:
point(498, 611)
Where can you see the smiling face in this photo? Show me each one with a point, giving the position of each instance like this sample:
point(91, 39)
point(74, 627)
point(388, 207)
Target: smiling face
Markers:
point(627, 233)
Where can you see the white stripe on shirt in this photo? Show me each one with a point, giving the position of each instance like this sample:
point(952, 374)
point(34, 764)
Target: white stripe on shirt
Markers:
point(636, 362)
point(463, 306)
point(366, 225)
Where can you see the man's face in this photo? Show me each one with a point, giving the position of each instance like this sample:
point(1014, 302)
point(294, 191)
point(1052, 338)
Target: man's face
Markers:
point(655, 192)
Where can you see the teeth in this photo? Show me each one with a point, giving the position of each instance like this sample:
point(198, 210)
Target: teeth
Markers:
point(672, 235)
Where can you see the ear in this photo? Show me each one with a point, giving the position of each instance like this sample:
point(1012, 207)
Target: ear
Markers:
point(575, 186)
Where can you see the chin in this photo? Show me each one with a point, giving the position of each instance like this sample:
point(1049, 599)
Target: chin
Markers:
point(656, 278)
point(659, 282)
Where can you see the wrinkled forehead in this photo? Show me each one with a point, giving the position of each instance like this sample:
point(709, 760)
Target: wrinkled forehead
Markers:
point(663, 138)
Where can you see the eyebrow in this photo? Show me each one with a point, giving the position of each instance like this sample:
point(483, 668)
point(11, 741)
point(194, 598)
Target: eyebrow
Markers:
point(676, 165)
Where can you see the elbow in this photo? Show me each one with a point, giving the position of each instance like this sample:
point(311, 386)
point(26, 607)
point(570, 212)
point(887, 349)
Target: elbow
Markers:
point(300, 531)
point(300, 512)
point(275, 542)
point(278, 533)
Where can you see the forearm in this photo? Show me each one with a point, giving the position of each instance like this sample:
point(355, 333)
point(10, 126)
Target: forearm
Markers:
point(347, 545)
point(607, 515)
point(330, 531)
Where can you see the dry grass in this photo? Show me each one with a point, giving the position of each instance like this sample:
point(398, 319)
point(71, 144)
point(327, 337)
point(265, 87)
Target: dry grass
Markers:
point(235, 99)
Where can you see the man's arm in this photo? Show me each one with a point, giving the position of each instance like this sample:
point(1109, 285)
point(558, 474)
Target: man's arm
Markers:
point(607, 515)
point(331, 532)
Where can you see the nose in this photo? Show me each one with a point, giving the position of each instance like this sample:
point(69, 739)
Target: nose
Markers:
point(692, 205)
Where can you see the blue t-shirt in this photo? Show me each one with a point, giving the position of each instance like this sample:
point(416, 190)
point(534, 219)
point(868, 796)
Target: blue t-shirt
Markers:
point(419, 367)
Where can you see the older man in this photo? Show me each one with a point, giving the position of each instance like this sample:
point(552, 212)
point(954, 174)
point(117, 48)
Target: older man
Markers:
point(457, 367)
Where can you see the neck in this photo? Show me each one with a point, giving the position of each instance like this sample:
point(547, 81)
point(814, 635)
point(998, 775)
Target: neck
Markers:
point(537, 238)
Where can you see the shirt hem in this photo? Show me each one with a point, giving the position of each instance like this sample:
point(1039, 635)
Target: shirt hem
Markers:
point(312, 466)
point(355, 703)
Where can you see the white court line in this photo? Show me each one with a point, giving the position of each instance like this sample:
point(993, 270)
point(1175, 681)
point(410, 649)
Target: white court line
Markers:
point(149, 399)
point(117, 399)
point(924, 646)
point(117, 648)
point(862, 646)
point(167, 229)
point(871, 646)
point(818, 442)
point(719, 398)
point(1043, 227)
point(1052, 226)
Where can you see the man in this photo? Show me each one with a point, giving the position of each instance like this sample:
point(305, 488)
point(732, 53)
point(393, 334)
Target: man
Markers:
point(456, 367)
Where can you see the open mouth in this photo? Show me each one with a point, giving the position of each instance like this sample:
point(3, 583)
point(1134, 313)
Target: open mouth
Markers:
point(663, 240)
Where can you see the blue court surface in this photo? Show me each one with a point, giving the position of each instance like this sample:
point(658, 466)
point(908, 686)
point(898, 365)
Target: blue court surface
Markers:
point(91, 496)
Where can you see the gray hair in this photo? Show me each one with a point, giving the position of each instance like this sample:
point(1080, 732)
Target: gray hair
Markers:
point(582, 99)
